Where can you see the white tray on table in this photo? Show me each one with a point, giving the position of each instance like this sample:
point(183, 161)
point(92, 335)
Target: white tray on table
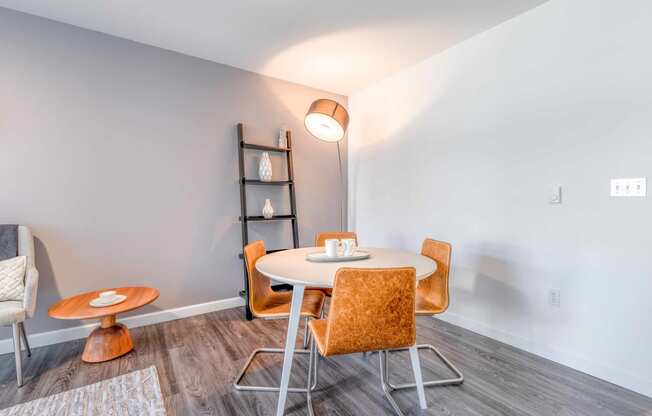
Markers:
point(321, 257)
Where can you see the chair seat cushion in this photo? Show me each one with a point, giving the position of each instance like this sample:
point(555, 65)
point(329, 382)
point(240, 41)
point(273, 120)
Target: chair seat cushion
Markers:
point(325, 290)
point(12, 278)
point(426, 307)
point(278, 305)
point(11, 312)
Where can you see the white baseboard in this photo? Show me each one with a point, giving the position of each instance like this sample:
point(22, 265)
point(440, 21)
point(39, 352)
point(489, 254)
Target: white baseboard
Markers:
point(82, 331)
point(600, 370)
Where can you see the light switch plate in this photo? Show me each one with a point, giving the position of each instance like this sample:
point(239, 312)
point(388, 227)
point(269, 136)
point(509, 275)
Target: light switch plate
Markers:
point(555, 194)
point(628, 187)
point(554, 298)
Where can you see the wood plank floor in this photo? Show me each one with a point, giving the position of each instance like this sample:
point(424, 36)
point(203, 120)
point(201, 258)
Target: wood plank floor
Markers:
point(197, 359)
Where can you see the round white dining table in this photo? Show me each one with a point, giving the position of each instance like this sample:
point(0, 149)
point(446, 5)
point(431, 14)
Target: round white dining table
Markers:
point(292, 267)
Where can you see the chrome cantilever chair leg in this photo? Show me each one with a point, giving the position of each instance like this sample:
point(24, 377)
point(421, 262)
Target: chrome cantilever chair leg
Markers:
point(314, 357)
point(459, 379)
point(384, 382)
point(237, 384)
point(313, 363)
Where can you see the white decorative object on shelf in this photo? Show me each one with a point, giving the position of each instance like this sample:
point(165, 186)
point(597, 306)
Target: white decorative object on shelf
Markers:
point(268, 211)
point(283, 138)
point(265, 168)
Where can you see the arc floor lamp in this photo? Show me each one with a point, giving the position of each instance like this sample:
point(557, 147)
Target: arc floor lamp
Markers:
point(327, 120)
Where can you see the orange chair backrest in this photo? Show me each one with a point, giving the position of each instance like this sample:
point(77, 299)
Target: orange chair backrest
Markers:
point(434, 288)
point(260, 286)
point(371, 309)
point(321, 238)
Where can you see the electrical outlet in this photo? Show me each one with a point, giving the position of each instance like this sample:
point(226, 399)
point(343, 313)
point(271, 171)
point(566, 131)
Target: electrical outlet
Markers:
point(628, 187)
point(554, 298)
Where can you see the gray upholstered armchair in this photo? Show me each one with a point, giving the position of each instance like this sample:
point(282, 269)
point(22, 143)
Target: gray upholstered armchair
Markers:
point(15, 313)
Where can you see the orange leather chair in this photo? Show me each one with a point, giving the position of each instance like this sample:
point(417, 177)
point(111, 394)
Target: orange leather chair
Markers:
point(433, 298)
point(265, 303)
point(371, 310)
point(320, 241)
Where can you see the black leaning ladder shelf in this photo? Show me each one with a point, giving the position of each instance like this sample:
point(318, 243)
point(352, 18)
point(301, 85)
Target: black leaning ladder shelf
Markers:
point(246, 219)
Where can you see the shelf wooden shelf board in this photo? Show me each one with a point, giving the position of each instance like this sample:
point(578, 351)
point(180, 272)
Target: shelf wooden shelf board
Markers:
point(274, 218)
point(265, 148)
point(259, 182)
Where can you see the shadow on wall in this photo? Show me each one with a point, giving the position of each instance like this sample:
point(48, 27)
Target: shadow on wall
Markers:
point(488, 282)
point(48, 291)
point(501, 281)
point(47, 281)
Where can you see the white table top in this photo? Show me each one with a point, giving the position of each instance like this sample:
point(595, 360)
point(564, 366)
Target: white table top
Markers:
point(291, 266)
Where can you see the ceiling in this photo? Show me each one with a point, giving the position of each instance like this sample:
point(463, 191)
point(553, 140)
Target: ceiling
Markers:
point(337, 45)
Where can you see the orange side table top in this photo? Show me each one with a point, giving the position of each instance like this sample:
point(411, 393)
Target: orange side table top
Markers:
point(111, 339)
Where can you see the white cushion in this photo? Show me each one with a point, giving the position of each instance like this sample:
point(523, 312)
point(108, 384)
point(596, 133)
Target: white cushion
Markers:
point(12, 278)
point(11, 312)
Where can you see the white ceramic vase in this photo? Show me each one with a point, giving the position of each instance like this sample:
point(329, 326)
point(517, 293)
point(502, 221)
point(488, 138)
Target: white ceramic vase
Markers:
point(265, 168)
point(282, 138)
point(268, 211)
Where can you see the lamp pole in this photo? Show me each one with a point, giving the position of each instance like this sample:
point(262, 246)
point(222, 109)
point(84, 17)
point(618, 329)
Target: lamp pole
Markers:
point(341, 204)
point(327, 120)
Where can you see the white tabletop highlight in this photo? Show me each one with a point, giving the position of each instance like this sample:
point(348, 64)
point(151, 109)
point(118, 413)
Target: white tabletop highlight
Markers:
point(291, 266)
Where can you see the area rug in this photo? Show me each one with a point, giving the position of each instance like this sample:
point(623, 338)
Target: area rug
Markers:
point(133, 394)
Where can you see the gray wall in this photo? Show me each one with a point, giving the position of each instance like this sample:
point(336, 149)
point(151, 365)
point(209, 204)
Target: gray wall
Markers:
point(465, 146)
point(122, 159)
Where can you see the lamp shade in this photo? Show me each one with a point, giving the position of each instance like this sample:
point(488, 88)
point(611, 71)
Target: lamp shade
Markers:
point(327, 120)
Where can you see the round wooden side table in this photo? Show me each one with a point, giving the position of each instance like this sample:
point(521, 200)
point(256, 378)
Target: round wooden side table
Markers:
point(111, 339)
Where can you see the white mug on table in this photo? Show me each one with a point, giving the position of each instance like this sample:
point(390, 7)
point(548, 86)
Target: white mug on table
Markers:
point(331, 245)
point(348, 245)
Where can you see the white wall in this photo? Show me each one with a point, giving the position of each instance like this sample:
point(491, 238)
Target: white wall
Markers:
point(464, 146)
